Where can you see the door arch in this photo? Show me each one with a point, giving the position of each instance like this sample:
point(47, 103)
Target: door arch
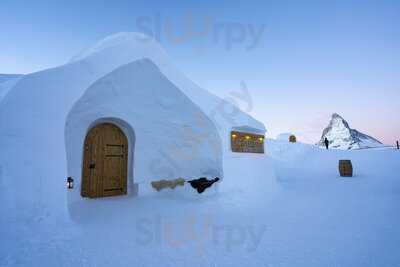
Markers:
point(105, 162)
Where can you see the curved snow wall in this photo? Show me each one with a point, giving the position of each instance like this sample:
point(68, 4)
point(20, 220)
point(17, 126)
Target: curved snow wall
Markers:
point(127, 47)
point(168, 135)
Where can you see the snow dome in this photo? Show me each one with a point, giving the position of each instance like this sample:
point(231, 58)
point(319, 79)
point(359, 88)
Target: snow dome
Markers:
point(46, 115)
point(127, 47)
point(159, 121)
point(287, 137)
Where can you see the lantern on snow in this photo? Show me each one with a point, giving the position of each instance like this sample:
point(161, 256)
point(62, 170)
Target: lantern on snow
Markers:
point(70, 183)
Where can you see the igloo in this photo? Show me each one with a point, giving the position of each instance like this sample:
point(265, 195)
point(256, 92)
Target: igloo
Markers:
point(136, 122)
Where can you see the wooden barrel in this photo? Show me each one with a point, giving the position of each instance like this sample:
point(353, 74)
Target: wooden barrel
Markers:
point(345, 168)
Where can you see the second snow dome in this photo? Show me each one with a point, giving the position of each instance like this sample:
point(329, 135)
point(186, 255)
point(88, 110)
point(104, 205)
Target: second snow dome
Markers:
point(168, 136)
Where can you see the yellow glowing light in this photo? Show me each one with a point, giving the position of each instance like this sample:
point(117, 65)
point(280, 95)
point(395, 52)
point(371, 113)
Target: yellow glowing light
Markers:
point(247, 137)
point(234, 135)
point(261, 139)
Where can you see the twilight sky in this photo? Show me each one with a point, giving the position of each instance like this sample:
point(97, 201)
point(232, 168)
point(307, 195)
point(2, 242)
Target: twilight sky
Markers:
point(300, 60)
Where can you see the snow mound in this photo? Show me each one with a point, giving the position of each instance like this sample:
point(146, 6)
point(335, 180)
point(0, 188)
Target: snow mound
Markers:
point(33, 117)
point(284, 137)
point(341, 136)
point(128, 46)
point(7, 81)
point(161, 123)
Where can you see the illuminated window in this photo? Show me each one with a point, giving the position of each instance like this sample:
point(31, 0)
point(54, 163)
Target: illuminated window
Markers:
point(247, 142)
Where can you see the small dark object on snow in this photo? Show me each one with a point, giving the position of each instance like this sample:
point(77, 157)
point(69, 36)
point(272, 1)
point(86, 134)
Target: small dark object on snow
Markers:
point(397, 143)
point(202, 184)
point(345, 168)
point(326, 141)
point(70, 183)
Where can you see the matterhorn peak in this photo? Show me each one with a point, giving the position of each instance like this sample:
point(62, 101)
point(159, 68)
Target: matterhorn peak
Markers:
point(341, 136)
point(335, 115)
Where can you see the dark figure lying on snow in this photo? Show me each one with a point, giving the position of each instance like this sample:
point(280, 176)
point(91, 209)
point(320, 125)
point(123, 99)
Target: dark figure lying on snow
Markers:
point(202, 183)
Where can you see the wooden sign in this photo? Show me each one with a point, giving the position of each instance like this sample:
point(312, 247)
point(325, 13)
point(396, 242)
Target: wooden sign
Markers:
point(247, 142)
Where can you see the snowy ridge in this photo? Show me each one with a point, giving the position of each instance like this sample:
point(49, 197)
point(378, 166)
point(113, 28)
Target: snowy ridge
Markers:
point(7, 77)
point(341, 136)
point(7, 81)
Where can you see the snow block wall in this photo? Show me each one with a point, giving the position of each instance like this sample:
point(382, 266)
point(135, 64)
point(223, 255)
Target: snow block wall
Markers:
point(32, 119)
point(168, 135)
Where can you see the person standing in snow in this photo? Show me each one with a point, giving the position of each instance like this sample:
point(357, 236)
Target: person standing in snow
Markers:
point(397, 143)
point(326, 141)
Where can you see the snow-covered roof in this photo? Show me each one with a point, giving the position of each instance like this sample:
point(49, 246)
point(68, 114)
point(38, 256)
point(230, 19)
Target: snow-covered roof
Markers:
point(131, 46)
point(123, 48)
point(248, 129)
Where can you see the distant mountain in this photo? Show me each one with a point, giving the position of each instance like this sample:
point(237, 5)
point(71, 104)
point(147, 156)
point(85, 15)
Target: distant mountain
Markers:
point(341, 136)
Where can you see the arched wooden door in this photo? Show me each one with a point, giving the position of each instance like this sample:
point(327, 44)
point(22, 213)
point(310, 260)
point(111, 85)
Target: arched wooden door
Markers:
point(105, 162)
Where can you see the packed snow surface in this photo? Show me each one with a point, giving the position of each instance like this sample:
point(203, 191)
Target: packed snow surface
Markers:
point(289, 208)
